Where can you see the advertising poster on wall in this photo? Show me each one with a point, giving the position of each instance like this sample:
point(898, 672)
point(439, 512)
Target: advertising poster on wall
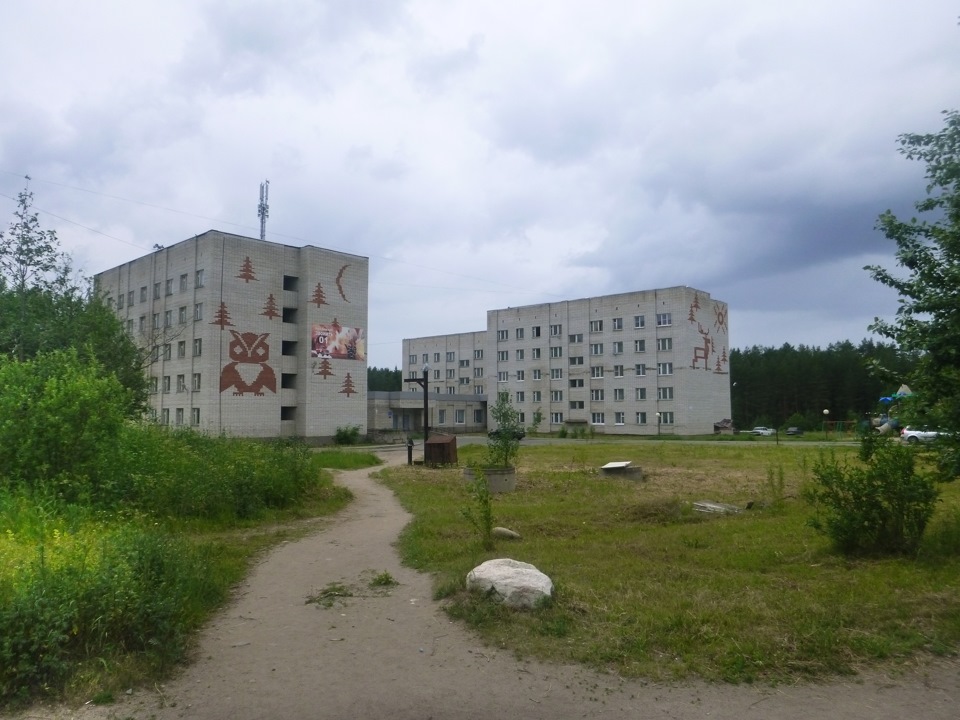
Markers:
point(337, 342)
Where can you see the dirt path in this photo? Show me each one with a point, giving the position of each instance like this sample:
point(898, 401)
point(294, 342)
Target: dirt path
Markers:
point(272, 655)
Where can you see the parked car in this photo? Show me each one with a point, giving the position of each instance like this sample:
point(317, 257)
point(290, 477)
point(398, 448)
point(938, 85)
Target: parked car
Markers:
point(762, 431)
point(794, 431)
point(518, 434)
point(922, 434)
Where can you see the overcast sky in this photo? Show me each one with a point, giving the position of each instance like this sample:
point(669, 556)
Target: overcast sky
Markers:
point(489, 154)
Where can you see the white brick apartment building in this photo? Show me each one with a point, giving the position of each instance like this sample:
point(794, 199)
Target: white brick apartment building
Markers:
point(648, 362)
point(249, 338)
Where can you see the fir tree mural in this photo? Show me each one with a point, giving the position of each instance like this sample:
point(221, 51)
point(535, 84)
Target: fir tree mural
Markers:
point(347, 388)
point(323, 368)
point(222, 317)
point(270, 308)
point(246, 270)
point(318, 297)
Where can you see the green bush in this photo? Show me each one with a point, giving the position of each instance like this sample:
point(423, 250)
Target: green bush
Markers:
point(348, 435)
point(882, 507)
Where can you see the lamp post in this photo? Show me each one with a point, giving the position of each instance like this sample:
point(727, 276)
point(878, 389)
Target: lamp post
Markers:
point(826, 414)
point(422, 382)
point(658, 424)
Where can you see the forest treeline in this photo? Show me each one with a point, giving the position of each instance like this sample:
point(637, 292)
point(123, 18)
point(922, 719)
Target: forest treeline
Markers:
point(790, 385)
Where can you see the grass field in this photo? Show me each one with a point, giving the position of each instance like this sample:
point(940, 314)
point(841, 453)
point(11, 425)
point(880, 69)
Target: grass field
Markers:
point(646, 586)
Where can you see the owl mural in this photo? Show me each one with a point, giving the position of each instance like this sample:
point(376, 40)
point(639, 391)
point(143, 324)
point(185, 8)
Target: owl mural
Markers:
point(249, 372)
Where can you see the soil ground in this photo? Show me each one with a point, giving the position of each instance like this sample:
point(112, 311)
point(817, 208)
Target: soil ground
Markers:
point(390, 652)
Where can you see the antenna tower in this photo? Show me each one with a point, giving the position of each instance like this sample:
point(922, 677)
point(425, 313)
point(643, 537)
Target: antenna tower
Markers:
point(263, 209)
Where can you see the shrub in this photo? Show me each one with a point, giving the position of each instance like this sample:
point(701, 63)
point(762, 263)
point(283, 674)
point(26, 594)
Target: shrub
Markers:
point(349, 435)
point(880, 508)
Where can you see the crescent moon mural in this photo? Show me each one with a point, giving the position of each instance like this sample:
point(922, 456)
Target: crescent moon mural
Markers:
point(340, 283)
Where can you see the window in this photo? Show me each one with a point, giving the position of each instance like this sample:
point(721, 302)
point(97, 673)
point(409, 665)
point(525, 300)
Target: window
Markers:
point(618, 323)
point(291, 283)
point(664, 320)
point(412, 359)
point(618, 348)
point(183, 283)
point(641, 418)
point(640, 369)
point(576, 338)
point(556, 330)
point(130, 327)
point(503, 334)
point(451, 356)
point(639, 322)
point(477, 355)
point(478, 372)
point(181, 383)
point(641, 394)
point(464, 363)
point(451, 391)
point(120, 299)
point(596, 348)
point(556, 373)
point(596, 371)
point(596, 395)
point(198, 311)
point(537, 375)
point(143, 293)
point(153, 384)
point(166, 383)
point(181, 348)
point(165, 416)
point(426, 358)
point(576, 382)
point(556, 418)
point(664, 344)
point(168, 287)
point(451, 373)
point(502, 376)
point(143, 323)
point(436, 374)
point(520, 396)
point(639, 345)
point(535, 331)
point(441, 417)
point(556, 352)
point(477, 416)
point(665, 368)
point(156, 321)
point(156, 291)
point(130, 298)
point(167, 350)
point(620, 418)
point(155, 353)
point(436, 357)
point(520, 355)
point(618, 394)
point(464, 381)
point(519, 333)
point(198, 278)
point(460, 417)
point(167, 318)
point(537, 396)
point(618, 370)
point(535, 353)
point(578, 360)
point(195, 416)
point(196, 381)
point(665, 393)
point(556, 396)
point(666, 418)
point(521, 418)
point(478, 389)
point(521, 375)
point(576, 405)
point(502, 355)
point(197, 347)
point(596, 326)
point(183, 315)
point(596, 418)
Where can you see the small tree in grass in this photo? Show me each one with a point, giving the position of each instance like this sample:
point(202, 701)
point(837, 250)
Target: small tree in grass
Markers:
point(503, 444)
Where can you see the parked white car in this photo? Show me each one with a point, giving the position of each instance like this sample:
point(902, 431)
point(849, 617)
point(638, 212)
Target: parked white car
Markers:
point(915, 435)
point(762, 431)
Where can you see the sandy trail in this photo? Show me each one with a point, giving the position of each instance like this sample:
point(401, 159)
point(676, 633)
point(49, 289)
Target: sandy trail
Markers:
point(272, 655)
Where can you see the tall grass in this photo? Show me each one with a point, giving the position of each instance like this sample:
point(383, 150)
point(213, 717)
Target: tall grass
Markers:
point(645, 586)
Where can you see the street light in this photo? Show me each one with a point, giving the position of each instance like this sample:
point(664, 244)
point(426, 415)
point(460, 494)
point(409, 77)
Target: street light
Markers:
point(826, 414)
point(422, 382)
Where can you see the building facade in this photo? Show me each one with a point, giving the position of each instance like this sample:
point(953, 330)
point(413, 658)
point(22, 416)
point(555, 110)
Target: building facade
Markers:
point(249, 338)
point(639, 363)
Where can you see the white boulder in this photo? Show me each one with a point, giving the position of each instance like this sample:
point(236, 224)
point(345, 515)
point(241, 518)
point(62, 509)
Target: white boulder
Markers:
point(516, 584)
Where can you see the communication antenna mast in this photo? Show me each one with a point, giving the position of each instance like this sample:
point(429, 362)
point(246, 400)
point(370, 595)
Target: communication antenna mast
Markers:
point(263, 209)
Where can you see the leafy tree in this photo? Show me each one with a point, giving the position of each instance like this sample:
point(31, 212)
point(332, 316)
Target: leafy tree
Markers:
point(384, 379)
point(928, 320)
